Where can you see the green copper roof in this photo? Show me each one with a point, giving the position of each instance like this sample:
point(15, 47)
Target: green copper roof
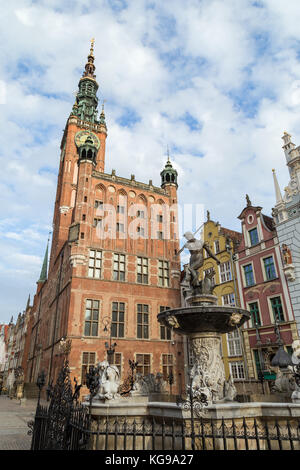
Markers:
point(86, 104)
point(43, 275)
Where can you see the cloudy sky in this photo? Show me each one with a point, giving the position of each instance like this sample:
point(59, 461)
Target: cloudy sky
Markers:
point(216, 81)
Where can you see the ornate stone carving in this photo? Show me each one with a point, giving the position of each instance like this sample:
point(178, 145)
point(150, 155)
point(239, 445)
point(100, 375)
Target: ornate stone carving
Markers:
point(144, 385)
point(208, 373)
point(235, 319)
point(172, 321)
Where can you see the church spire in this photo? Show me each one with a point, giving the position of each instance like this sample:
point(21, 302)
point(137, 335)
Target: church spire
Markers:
point(44, 271)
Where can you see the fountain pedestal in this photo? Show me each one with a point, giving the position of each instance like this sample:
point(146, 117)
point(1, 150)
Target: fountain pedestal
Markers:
point(203, 321)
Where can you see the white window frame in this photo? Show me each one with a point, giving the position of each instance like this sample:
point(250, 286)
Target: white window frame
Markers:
point(229, 303)
point(237, 364)
point(236, 351)
point(226, 272)
point(264, 269)
point(249, 238)
point(243, 273)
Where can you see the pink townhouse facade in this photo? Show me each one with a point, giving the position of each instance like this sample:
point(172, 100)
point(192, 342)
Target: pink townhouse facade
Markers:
point(264, 292)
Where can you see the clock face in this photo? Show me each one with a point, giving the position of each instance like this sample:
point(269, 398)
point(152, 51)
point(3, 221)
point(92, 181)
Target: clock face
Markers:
point(81, 137)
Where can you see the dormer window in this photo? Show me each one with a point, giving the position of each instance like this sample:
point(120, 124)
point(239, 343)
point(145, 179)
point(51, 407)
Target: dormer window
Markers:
point(253, 235)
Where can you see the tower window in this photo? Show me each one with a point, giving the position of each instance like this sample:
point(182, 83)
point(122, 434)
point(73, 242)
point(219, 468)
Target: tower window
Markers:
point(142, 270)
point(144, 366)
point(118, 320)
point(143, 321)
point(163, 273)
point(167, 365)
point(165, 332)
point(95, 262)
point(88, 360)
point(119, 267)
point(91, 317)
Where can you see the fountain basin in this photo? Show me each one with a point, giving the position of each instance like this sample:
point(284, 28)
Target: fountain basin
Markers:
point(204, 319)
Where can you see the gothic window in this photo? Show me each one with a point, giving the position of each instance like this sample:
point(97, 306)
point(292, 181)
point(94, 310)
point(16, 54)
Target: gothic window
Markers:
point(142, 270)
point(119, 267)
point(217, 246)
point(91, 317)
point(163, 273)
point(88, 360)
point(142, 321)
point(165, 332)
point(144, 364)
point(118, 320)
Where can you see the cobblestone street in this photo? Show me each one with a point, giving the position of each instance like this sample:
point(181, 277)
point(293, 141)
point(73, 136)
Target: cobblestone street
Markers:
point(13, 423)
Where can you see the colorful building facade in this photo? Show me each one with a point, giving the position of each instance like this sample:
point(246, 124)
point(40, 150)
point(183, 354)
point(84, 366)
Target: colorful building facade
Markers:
point(263, 291)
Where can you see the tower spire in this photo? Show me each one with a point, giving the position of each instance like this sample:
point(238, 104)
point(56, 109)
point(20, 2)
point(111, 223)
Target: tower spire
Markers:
point(90, 66)
point(85, 106)
point(277, 188)
point(44, 271)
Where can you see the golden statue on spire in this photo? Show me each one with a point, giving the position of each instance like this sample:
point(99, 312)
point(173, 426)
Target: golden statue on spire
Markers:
point(92, 46)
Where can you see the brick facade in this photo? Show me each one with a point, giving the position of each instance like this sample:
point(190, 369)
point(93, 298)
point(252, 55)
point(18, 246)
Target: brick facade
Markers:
point(93, 286)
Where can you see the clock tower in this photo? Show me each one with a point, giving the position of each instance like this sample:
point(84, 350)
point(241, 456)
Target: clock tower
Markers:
point(82, 146)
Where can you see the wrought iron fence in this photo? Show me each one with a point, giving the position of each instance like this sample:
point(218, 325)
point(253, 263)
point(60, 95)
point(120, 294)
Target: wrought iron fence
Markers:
point(100, 433)
point(68, 425)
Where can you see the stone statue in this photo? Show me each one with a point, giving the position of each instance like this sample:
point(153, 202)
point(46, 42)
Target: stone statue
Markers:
point(196, 248)
point(287, 255)
point(109, 381)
